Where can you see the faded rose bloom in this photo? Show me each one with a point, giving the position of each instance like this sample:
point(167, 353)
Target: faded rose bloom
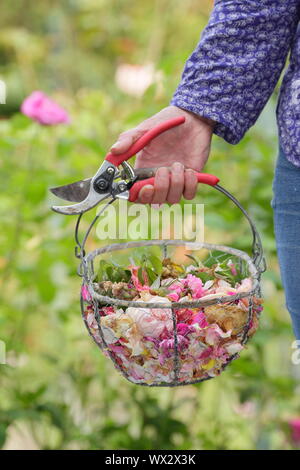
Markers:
point(115, 325)
point(223, 286)
point(167, 346)
point(91, 321)
point(245, 285)
point(183, 329)
point(195, 285)
point(42, 109)
point(108, 310)
point(185, 315)
point(152, 322)
point(177, 287)
point(214, 334)
point(200, 318)
point(233, 347)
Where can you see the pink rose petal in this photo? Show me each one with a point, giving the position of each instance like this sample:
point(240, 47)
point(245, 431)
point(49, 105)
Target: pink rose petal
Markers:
point(42, 109)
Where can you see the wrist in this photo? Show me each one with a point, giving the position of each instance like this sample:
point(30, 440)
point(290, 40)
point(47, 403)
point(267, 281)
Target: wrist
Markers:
point(209, 122)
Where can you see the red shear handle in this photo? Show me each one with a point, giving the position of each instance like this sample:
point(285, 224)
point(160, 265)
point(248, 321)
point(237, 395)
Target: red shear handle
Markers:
point(144, 140)
point(204, 178)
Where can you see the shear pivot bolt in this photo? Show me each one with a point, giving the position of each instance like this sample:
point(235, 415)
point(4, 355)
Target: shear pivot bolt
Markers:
point(100, 185)
point(110, 170)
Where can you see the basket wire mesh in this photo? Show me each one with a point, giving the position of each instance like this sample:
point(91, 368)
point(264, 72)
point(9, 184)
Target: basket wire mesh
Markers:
point(254, 266)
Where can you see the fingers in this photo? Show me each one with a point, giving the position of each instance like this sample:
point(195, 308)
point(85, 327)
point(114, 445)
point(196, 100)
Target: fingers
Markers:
point(169, 186)
point(122, 144)
point(161, 186)
point(126, 140)
point(190, 184)
point(176, 185)
point(146, 194)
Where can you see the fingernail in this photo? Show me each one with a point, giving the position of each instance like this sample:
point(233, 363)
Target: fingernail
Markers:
point(177, 166)
point(146, 194)
point(115, 145)
point(147, 189)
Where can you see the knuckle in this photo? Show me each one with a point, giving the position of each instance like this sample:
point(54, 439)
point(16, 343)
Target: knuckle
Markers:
point(177, 177)
point(162, 172)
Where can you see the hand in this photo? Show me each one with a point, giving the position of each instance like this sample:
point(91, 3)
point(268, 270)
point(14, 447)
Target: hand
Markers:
point(184, 148)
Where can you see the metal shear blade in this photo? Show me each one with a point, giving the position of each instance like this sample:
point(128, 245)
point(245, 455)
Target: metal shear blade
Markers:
point(74, 192)
point(88, 203)
point(94, 197)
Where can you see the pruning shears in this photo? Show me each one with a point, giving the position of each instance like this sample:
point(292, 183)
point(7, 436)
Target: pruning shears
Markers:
point(111, 182)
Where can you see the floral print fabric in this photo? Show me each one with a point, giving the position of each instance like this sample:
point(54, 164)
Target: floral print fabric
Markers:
point(235, 67)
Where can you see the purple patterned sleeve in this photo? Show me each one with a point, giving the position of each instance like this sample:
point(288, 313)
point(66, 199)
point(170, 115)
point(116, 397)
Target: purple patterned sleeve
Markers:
point(235, 67)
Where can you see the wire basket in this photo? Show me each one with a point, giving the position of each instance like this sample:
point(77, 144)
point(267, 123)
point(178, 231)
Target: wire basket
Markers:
point(188, 353)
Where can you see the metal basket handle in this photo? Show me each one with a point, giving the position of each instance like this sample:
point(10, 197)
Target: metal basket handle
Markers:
point(257, 249)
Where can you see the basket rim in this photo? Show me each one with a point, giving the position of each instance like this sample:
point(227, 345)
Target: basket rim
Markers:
point(88, 280)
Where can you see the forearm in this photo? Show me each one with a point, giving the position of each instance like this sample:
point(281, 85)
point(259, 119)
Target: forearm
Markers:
point(237, 63)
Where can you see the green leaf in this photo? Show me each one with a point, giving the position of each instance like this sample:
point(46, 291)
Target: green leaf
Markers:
point(204, 276)
point(156, 283)
point(140, 275)
point(156, 264)
point(151, 275)
point(194, 259)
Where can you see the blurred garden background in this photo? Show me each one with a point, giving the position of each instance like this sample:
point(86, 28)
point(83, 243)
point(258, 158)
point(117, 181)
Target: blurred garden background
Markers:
point(111, 64)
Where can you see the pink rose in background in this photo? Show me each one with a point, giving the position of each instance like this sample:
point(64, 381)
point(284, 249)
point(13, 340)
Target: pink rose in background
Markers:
point(295, 428)
point(42, 109)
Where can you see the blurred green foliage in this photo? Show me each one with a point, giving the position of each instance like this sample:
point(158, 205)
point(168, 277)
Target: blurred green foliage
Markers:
point(56, 390)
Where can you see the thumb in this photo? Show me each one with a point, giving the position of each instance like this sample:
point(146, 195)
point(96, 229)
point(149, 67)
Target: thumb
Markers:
point(126, 140)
